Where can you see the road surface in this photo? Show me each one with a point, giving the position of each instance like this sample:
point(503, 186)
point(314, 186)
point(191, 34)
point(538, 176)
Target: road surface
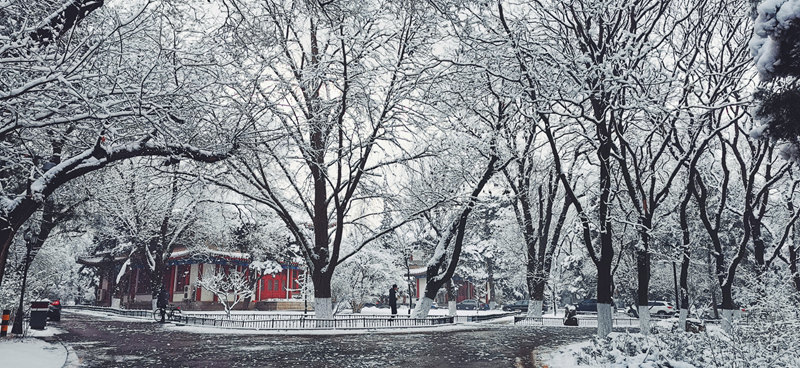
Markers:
point(107, 342)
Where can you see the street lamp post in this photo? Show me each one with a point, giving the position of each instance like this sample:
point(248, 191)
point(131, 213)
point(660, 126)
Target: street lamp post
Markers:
point(17, 328)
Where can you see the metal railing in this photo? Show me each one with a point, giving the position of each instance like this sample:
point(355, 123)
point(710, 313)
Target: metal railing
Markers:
point(264, 321)
point(301, 322)
point(260, 316)
point(582, 322)
point(483, 317)
point(138, 313)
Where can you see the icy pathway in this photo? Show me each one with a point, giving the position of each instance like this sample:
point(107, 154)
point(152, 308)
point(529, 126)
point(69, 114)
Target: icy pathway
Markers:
point(101, 342)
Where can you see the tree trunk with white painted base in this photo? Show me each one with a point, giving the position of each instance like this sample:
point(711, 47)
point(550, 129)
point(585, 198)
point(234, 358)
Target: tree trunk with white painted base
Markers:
point(323, 309)
point(727, 320)
point(115, 302)
point(423, 308)
point(452, 309)
point(605, 315)
point(683, 315)
point(644, 319)
point(535, 308)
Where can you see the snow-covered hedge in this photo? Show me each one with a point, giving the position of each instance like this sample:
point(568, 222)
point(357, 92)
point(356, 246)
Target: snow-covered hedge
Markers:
point(767, 335)
point(750, 347)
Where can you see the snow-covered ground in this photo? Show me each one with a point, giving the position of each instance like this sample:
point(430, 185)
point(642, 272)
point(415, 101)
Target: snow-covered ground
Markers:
point(34, 352)
point(565, 356)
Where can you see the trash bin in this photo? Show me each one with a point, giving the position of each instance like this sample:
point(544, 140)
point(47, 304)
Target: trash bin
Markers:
point(39, 310)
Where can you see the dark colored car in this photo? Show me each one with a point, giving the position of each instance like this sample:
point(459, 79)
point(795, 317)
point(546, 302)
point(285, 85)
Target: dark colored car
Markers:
point(471, 304)
point(588, 305)
point(517, 306)
point(54, 310)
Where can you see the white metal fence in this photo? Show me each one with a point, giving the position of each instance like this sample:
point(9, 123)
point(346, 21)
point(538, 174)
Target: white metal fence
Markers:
point(266, 321)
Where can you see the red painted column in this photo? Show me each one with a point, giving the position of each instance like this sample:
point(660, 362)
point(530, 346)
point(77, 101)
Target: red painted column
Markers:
point(171, 285)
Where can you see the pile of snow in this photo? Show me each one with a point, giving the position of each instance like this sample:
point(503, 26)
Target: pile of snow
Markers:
point(33, 352)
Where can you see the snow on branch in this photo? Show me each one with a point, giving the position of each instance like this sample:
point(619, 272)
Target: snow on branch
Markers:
point(98, 157)
point(774, 26)
point(55, 24)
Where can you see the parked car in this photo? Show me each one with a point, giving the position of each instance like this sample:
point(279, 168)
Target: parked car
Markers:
point(588, 305)
point(54, 310)
point(517, 306)
point(660, 308)
point(471, 304)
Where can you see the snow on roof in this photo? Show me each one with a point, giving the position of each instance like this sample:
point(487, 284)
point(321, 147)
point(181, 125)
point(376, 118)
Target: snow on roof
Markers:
point(97, 260)
point(208, 252)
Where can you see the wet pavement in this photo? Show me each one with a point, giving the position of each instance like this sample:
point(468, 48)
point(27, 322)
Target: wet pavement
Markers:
point(104, 342)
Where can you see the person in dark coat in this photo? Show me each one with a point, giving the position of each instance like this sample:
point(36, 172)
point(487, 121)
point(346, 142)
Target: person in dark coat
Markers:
point(393, 299)
point(163, 301)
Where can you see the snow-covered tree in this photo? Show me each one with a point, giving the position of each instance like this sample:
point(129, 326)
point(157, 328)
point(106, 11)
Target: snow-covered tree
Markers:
point(330, 97)
point(86, 85)
point(230, 285)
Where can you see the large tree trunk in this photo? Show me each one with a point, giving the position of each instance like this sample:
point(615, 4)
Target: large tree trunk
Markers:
point(536, 286)
point(685, 242)
point(490, 283)
point(728, 307)
point(793, 266)
point(643, 274)
point(451, 298)
point(604, 265)
point(157, 275)
point(793, 250)
point(10, 224)
point(322, 294)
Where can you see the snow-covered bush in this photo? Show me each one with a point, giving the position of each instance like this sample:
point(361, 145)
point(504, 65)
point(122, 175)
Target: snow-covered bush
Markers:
point(366, 277)
point(765, 336)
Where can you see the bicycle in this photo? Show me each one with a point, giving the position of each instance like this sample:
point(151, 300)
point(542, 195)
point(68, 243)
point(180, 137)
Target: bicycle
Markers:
point(171, 313)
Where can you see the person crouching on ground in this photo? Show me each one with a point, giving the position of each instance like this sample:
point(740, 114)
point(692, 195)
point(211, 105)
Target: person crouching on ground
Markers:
point(393, 299)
